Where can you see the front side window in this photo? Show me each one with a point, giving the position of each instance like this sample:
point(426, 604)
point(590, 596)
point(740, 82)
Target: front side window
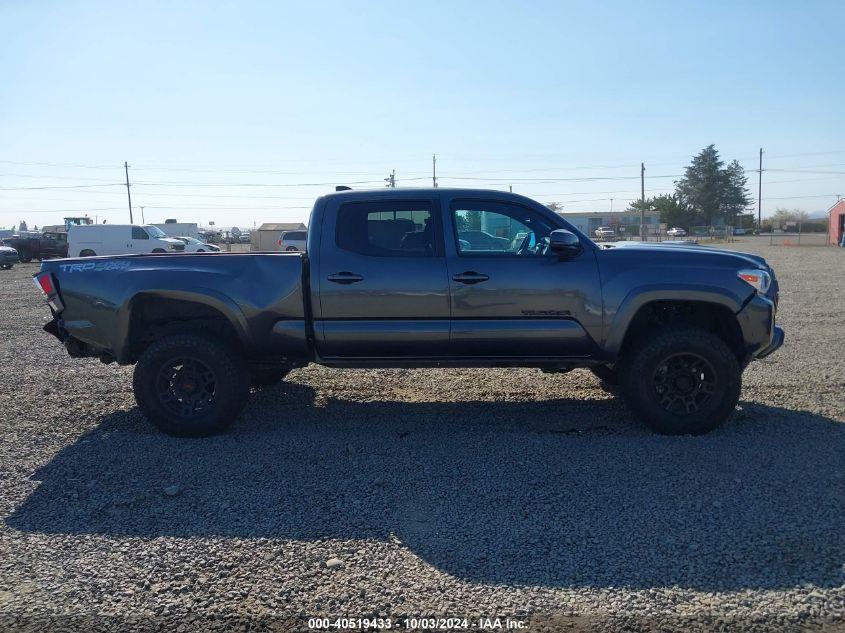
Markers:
point(154, 231)
point(387, 229)
point(138, 233)
point(497, 228)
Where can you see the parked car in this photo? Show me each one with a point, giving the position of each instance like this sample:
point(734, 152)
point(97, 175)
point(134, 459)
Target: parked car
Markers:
point(45, 246)
point(193, 245)
point(673, 326)
point(119, 239)
point(293, 241)
point(739, 231)
point(483, 241)
point(676, 232)
point(605, 232)
point(8, 257)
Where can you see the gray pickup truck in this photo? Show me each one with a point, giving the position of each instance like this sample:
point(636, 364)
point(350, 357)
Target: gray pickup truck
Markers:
point(423, 278)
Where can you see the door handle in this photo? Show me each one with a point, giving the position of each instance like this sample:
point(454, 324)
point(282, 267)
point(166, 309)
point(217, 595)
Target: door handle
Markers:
point(470, 277)
point(345, 277)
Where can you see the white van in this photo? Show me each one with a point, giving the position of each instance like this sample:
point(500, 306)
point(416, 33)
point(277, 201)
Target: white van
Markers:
point(119, 239)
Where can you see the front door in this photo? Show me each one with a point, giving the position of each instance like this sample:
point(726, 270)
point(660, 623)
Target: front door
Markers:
point(511, 297)
point(383, 285)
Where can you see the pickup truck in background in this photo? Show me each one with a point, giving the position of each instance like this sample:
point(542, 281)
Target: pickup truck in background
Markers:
point(412, 278)
point(47, 246)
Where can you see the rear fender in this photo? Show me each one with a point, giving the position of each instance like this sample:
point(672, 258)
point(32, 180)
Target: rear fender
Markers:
point(205, 296)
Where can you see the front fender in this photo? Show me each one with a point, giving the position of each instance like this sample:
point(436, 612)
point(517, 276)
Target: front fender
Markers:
point(619, 319)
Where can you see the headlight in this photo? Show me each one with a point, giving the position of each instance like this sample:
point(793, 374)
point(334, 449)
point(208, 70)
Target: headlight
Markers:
point(760, 279)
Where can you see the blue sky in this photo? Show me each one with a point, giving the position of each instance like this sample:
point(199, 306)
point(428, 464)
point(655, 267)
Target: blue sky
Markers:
point(224, 110)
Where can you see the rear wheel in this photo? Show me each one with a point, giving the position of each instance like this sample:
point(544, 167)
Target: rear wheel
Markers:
point(291, 249)
point(87, 253)
point(684, 381)
point(190, 386)
point(158, 250)
point(25, 257)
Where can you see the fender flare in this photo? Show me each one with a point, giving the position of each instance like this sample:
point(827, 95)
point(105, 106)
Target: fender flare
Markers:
point(643, 295)
point(204, 296)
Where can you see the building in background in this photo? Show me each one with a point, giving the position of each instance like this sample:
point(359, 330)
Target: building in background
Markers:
point(266, 237)
point(622, 222)
point(836, 223)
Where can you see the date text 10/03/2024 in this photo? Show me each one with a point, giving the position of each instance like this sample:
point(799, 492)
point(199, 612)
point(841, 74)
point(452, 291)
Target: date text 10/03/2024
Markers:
point(418, 624)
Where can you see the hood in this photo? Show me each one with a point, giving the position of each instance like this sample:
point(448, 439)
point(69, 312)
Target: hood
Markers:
point(681, 250)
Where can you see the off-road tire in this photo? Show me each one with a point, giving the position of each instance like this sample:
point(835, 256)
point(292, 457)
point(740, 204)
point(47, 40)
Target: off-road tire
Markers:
point(231, 384)
point(641, 380)
point(606, 374)
point(267, 377)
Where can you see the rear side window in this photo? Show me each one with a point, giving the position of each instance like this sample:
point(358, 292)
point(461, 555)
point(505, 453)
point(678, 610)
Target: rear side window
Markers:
point(388, 229)
point(295, 235)
point(139, 234)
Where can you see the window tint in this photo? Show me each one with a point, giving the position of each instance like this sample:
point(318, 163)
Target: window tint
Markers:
point(387, 229)
point(295, 235)
point(497, 228)
point(139, 234)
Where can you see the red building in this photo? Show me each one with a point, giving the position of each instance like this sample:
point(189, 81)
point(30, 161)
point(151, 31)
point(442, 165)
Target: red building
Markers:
point(837, 222)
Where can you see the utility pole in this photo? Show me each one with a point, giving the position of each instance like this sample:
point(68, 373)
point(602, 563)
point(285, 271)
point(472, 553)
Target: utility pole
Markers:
point(760, 193)
point(510, 188)
point(391, 180)
point(142, 216)
point(642, 199)
point(434, 170)
point(128, 195)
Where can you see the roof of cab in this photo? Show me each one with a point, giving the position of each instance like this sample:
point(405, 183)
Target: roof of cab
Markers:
point(411, 192)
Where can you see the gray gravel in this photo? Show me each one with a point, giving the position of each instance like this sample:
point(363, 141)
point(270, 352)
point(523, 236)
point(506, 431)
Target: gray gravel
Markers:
point(456, 493)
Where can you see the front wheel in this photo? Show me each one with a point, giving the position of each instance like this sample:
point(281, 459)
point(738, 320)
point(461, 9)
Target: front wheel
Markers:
point(684, 381)
point(7, 266)
point(190, 386)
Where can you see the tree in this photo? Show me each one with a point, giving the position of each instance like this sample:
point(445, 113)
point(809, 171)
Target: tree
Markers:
point(557, 207)
point(672, 212)
point(736, 196)
point(714, 193)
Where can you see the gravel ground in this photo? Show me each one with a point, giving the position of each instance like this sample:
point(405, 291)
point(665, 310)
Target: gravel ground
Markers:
point(476, 493)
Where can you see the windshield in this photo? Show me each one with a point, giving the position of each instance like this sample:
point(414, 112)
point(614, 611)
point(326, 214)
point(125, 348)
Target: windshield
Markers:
point(154, 231)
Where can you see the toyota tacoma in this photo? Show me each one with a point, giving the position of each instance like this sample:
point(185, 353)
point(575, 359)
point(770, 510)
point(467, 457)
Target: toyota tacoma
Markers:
point(411, 278)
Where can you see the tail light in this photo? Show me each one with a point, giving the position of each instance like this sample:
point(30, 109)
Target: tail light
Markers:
point(44, 282)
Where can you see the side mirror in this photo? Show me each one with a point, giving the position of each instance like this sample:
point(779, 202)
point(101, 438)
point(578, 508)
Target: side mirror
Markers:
point(564, 243)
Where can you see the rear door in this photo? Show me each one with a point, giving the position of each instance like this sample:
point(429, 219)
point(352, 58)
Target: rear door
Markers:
point(383, 289)
point(511, 297)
